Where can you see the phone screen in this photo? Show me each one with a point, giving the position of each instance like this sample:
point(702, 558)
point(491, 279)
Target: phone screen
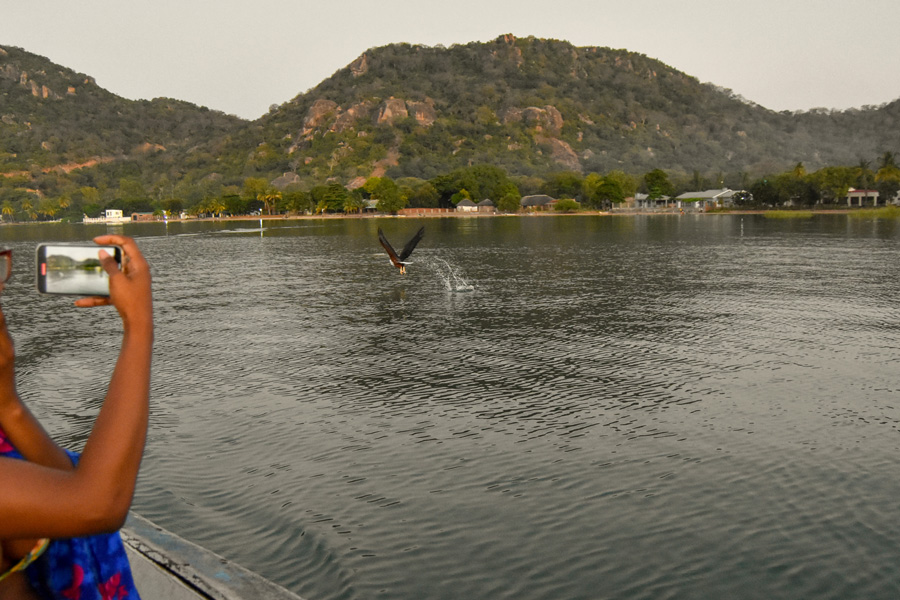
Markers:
point(73, 269)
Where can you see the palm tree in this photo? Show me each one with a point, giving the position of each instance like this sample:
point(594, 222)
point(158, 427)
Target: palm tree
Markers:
point(48, 207)
point(64, 203)
point(697, 182)
point(887, 179)
point(863, 175)
point(28, 209)
point(8, 209)
point(269, 198)
point(215, 206)
point(353, 204)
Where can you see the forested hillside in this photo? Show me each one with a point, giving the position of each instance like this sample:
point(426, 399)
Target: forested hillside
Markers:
point(531, 108)
point(52, 115)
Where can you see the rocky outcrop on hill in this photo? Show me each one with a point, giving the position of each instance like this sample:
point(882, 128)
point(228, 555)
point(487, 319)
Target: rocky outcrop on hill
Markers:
point(391, 110)
point(395, 108)
point(327, 115)
point(318, 114)
point(547, 124)
point(288, 179)
point(423, 112)
point(509, 41)
point(11, 73)
point(359, 66)
point(562, 153)
point(32, 81)
point(346, 119)
point(548, 119)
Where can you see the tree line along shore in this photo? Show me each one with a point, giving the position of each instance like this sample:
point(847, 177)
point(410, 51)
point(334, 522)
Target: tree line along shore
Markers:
point(571, 191)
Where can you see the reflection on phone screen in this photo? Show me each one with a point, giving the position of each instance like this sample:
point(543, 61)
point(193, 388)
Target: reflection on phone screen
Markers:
point(74, 270)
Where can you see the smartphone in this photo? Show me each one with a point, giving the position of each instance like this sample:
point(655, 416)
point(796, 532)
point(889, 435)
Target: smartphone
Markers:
point(73, 269)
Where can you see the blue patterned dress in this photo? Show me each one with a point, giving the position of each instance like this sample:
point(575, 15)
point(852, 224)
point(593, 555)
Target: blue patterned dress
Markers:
point(85, 568)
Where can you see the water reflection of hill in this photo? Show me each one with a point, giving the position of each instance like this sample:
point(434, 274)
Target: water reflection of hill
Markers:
point(62, 262)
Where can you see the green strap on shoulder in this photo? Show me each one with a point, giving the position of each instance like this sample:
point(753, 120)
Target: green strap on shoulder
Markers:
point(28, 558)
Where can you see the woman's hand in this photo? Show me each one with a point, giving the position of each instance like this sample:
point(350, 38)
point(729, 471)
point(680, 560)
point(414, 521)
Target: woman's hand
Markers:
point(129, 287)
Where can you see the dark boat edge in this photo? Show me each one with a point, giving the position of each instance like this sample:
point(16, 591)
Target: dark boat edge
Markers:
point(166, 566)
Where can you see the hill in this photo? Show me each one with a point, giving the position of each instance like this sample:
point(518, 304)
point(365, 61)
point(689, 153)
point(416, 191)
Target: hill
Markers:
point(52, 115)
point(531, 107)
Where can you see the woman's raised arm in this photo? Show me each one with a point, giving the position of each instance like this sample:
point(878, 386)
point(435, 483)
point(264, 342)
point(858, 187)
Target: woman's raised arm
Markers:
point(40, 501)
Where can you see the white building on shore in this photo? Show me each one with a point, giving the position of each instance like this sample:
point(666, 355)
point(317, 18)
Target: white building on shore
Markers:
point(706, 199)
point(113, 215)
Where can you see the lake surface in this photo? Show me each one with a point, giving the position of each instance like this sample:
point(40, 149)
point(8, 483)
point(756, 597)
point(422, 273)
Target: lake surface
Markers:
point(542, 408)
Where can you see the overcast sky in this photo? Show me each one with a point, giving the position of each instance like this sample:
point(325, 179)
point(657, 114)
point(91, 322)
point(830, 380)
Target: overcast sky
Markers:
point(241, 56)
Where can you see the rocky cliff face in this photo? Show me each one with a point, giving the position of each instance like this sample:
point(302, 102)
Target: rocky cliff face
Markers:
point(328, 116)
point(37, 83)
point(323, 116)
point(391, 110)
point(11, 73)
point(359, 66)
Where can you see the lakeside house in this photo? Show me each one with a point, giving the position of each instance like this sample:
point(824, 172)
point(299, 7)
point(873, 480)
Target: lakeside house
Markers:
point(862, 197)
point(690, 201)
point(537, 202)
point(716, 198)
point(645, 202)
point(466, 205)
point(486, 206)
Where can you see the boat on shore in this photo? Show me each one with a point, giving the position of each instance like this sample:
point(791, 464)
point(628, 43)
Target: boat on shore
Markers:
point(110, 217)
point(168, 567)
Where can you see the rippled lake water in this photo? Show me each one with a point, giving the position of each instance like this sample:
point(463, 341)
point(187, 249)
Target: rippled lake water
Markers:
point(542, 408)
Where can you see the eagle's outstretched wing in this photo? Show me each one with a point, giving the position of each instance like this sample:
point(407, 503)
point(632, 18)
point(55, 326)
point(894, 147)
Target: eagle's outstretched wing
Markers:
point(395, 260)
point(411, 244)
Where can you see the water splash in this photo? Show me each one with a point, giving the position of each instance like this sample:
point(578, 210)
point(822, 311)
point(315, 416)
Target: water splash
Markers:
point(453, 278)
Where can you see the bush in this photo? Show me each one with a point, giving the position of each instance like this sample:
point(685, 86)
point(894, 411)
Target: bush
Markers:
point(509, 203)
point(567, 205)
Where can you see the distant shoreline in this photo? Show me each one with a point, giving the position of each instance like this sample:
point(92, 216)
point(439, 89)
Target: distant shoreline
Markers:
point(462, 215)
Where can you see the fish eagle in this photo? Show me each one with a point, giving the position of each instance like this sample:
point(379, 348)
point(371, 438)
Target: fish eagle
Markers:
point(399, 260)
